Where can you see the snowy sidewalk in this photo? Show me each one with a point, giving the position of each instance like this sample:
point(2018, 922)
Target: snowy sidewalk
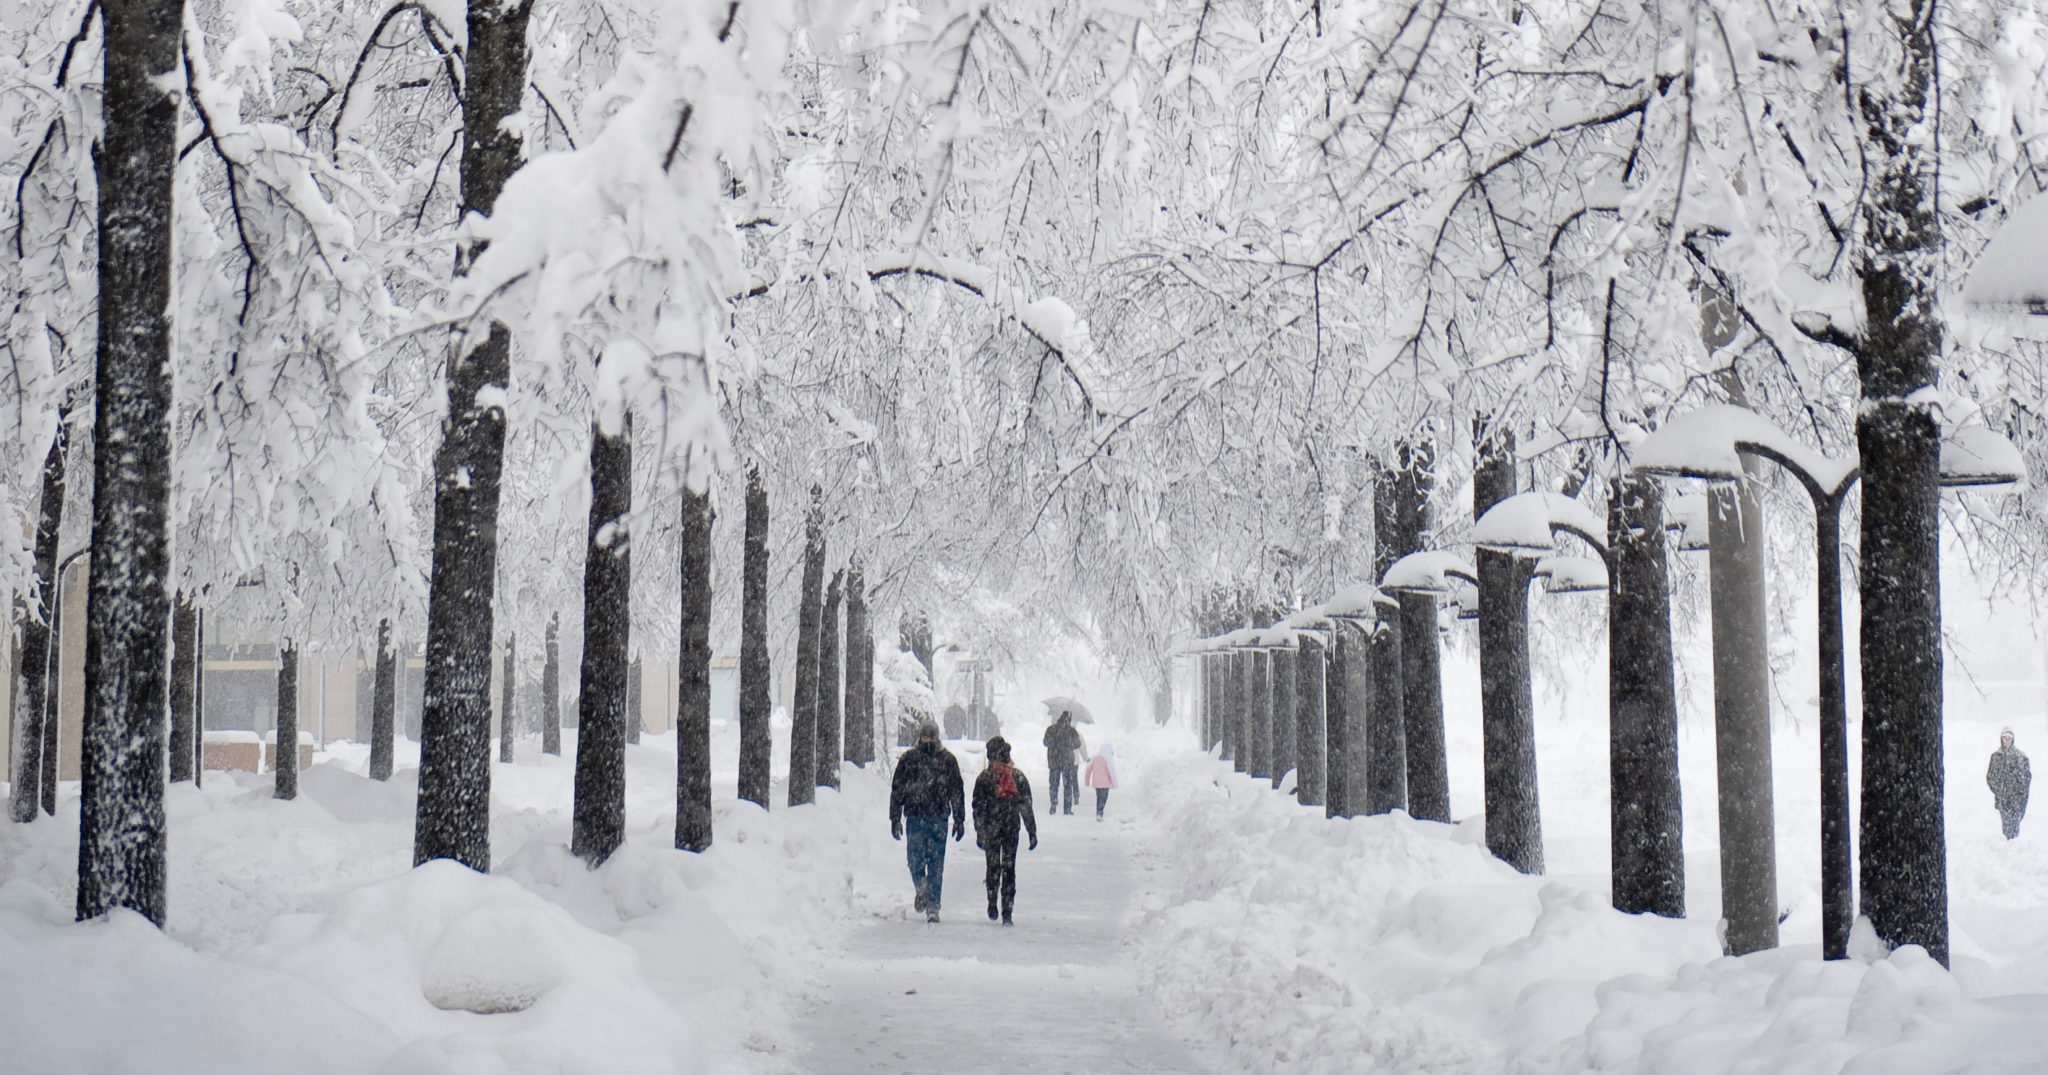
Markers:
point(1054, 994)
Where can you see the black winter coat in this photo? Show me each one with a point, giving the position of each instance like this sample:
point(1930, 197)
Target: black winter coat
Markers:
point(1061, 741)
point(927, 784)
point(995, 816)
point(2009, 777)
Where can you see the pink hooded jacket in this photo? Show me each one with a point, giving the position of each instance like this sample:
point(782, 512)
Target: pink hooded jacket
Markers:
point(1101, 771)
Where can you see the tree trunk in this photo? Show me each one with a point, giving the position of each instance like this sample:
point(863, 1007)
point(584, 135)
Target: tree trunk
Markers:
point(121, 828)
point(454, 811)
point(636, 677)
point(1280, 666)
point(1647, 845)
point(1238, 691)
point(600, 811)
point(830, 700)
point(1514, 820)
point(184, 666)
point(1385, 729)
point(1838, 897)
point(1308, 726)
point(1742, 717)
point(507, 700)
point(383, 705)
point(1259, 706)
point(33, 674)
point(1338, 729)
point(1904, 847)
point(287, 762)
point(1422, 703)
point(198, 698)
point(551, 690)
point(803, 714)
point(755, 701)
point(860, 667)
point(693, 679)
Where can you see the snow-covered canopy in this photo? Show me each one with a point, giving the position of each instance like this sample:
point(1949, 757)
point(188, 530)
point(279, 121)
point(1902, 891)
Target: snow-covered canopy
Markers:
point(1572, 574)
point(1360, 601)
point(2013, 269)
point(1978, 455)
point(1709, 443)
point(1434, 571)
point(1528, 523)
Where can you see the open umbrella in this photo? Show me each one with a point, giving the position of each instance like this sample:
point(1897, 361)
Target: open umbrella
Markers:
point(1058, 702)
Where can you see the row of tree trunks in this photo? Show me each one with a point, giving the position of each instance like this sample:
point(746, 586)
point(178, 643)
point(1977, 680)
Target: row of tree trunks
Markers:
point(121, 828)
point(600, 808)
point(831, 701)
point(36, 671)
point(755, 699)
point(693, 678)
point(453, 816)
point(860, 670)
point(803, 714)
point(1514, 822)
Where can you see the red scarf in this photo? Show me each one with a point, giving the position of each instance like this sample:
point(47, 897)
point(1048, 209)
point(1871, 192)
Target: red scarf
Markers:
point(1006, 778)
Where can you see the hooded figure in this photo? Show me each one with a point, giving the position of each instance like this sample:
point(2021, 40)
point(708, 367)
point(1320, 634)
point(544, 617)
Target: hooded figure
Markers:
point(926, 791)
point(2009, 777)
point(1002, 799)
point(1062, 744)
point(1101, 776)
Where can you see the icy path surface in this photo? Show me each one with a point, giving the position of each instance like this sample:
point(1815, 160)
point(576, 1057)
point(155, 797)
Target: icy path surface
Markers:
point(1055, 993)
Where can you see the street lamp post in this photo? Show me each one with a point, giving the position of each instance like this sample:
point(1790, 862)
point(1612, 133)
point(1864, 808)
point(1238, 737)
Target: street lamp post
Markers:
point(1709, 443)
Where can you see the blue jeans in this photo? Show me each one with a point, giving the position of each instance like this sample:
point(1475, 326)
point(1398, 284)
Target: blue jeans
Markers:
point(926, 837)
point(1066, 789)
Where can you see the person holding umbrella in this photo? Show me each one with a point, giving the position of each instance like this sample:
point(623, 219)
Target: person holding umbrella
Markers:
point(1063, 748)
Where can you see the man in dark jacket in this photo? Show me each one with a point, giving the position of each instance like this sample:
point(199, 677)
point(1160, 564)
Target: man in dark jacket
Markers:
point(2009, 776)
point(1002, 798)
point(1062, 743)
point(926, 791)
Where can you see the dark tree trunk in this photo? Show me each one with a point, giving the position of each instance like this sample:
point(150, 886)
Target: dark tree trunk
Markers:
point(830, 700)
point(803, 714)
point(1742, 718)
point(33, 675)
point(383, 705)
point(1205, 703)
point(199, 698)
point(1904, 847)
point(1838, 898)
point(1308, 723)
point(1240, 710)
point(1386, 730)
point(1259, 707)
point(755, 701)
point(1224, 705)
point(1422, 703)
point(551, 690)
point(600, 812)
point(693, 679)
point(454, 812)
point(1514, 821)
point(1280, 669)
point(1338, 730)
point(287, 761)
point(184, 670)
point(121, 829)
point(636, 685)
point(860, 666)
point(1648, 844)
point(507, 701)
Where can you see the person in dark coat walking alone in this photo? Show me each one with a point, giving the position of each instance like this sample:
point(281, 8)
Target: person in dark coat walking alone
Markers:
point(1002, 798)
point(1062, 747)
point(2009, 776)
point(925, 792)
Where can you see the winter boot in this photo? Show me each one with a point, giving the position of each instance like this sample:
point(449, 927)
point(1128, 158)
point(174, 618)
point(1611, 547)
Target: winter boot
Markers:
point(931, 914)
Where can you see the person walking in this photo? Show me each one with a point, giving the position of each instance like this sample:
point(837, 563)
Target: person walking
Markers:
point(2009, 777)
point(1002, 798)
point(1063, 746)
point(925, 792)
point(1101, 776)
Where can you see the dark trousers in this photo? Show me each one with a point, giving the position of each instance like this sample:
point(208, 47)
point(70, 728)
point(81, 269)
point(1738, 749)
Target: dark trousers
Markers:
point(2011, 818)
point(1066, 788)
point(1002, 873)
point(926, 837)
point(1101, 800)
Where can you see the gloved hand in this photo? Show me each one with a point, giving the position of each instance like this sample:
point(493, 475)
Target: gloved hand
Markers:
point(895, 828)
point(1034, 844)
point(959, 830)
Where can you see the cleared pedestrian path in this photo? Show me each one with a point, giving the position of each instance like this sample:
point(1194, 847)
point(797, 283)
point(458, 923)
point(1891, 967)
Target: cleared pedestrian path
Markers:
point(1052, 994)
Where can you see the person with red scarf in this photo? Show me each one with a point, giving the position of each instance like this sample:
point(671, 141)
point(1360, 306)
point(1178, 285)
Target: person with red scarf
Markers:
point(1002, 798)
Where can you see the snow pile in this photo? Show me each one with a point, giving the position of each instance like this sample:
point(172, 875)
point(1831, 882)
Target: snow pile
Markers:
point(1304, 944)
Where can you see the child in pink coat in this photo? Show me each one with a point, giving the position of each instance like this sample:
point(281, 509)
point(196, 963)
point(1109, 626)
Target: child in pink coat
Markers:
point(1101, 776)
